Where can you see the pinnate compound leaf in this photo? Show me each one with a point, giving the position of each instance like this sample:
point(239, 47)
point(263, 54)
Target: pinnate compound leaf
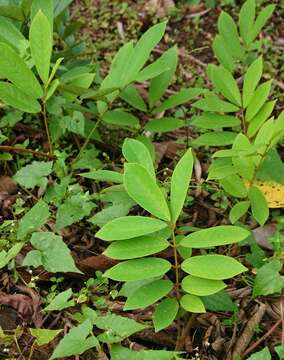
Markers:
point(192, 303)
point(34, 174)
point(139, 269)
point(61, 301)
point(16, 98)
point(148, 294)
point(76, 342)
point(33, 219)
point(137, 247)
point(51, 252)
point(128, 227)
point(201, 287)
point(251, 80)
point(13, 68)
point(215, 267)
point(143, 189)
point(215, 236)
point(165, 313)
point(179, 184)
point(41, 44)
point(259, 206)
point(44, 336)
point(135, 151)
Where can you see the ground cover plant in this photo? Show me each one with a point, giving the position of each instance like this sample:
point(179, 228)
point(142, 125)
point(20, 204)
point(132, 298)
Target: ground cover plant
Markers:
point(141, 206)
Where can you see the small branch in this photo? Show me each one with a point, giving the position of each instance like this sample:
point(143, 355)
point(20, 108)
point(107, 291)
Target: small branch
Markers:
point(185, 331)
point(7, 148)
point(45, 120)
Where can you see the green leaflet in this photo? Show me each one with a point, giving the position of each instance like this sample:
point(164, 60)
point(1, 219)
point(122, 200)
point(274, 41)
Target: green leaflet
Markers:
point(139, 269)
point(180, 183)
point(192, 303)
point(201, 287)
point(41, 44)
point(165, 313)
point(13, 68)
point(142, 188)
point(128, 227)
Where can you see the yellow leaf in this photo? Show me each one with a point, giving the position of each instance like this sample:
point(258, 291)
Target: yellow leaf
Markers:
point(272, 191)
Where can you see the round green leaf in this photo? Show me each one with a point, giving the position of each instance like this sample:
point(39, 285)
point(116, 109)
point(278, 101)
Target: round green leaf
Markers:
point(215, 236)
point(192, 304)
point(215, 267)
point(128, 227)
point(148, 294)
point(165, 313)
point(201, 287)
point(138, 269)
point(136, 247)
point(143, 189)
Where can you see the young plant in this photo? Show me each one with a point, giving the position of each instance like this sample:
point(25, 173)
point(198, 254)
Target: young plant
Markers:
point(135, 239)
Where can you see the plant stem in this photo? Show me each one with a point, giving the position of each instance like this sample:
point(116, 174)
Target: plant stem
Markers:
point(176, 266)
point(7, 148)
point(185, 332)
point(45, 119)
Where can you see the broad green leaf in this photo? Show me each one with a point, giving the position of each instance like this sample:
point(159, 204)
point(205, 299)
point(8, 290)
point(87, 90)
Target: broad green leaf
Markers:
point(104, 175)
point(215, 267)
point(142, 188)
point(61, 301)
point(6, 257)
point(135, 151)
point(159, 84)
point(268, 281)
point(143, 49)
point(192, 303)
point(139, 269)
point(259, 207)
point(221, 168)
point(263, 354)
point(238, 211)
point(10, 34)
point(72, 210)
point(33, 219)
point(117, 327)
point(51, 252)
point(121, 118)
point(179, 184)
point(153, 70)
point(13, 68)
point(245, 165)
point(128, 227)
point(222, 53)
point(122, 353)
point(109, 213)
point(76, 342)
point(10, 10)
point(182, 97)
point(41, 45)
point(131, 95)
point(259, 119)
point(215, 139)
point(214, 121)
point(215, 236)
point(246, 20)
point(228, 30)
point(201, 287)
point(16, 98)
point(165, 313)
point(164, 124)
point(136, 247)
point(220, 301)
point(260, 96)
point(225, 83)
point(234, 185)
point(251, 80)
point(44, 336)
point(34, 174)
point(148, 294)
point(211, 102)
point(261, 20)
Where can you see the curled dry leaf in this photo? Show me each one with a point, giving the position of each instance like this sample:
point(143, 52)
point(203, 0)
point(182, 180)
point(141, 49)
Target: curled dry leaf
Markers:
point(27, 304)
